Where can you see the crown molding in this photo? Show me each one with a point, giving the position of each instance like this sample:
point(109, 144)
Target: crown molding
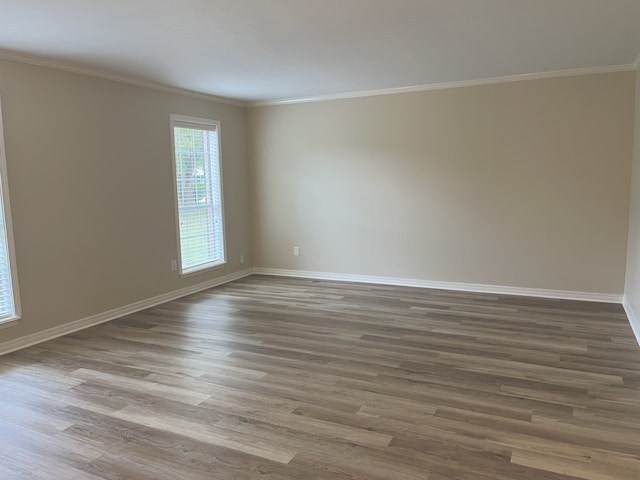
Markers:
point(91, 72)
point(68, 67)
point(460, 84)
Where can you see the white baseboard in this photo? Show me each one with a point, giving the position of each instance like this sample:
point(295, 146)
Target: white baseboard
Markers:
point(76, 325)
point(464, 287)
point(633, 318)
point(51, 333)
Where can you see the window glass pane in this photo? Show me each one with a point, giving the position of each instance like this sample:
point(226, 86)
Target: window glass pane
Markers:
point(9, 301)
point(199, 196)
point(6, 290)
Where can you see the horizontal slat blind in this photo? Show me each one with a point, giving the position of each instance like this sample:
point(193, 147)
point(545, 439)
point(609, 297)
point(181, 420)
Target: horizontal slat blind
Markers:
point(9, 303)
point(199, 195)
point(6, 290)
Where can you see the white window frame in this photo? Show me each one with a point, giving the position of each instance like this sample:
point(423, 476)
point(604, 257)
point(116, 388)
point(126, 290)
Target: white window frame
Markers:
point(16, 311)
point(196, 123)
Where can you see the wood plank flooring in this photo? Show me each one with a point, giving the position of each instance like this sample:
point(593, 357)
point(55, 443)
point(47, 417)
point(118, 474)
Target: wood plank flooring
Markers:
point(276, 378)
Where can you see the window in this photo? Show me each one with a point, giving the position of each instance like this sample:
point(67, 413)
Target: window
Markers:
point(9, 302)
point(198, 191)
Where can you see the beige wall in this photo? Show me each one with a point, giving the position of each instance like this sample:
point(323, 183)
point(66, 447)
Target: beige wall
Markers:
point(521, 184)
point(632, 284)
point(92, 196)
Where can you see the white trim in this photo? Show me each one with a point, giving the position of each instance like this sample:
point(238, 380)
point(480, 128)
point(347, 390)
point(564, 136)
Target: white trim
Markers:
point(92, 72)
point(51, 333)
point(446, 85)
point(465, 287)
point(199, 268)
point(197, 123)
point(200, 123)
point(634, 321)
point(9, 323)
point(8, 226)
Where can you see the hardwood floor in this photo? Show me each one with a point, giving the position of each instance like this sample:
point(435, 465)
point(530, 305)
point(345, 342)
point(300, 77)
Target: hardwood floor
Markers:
point(278, 378)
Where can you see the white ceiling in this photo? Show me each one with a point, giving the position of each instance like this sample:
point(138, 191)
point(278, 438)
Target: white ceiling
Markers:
point(257, 50)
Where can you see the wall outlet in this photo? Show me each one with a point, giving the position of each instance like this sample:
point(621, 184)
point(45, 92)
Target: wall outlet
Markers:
point(241, 259)
point(174, 265)
point(296, 251)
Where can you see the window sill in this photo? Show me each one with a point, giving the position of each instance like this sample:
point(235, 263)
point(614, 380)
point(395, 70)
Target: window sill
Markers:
point(202, 268)
point(9, 322)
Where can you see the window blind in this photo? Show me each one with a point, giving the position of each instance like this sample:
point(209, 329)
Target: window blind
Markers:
point(198, 193)
point(7, 309)
point(9, 304)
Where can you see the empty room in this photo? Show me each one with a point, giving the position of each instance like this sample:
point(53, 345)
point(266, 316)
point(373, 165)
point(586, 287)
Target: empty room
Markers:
point(318, 240)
